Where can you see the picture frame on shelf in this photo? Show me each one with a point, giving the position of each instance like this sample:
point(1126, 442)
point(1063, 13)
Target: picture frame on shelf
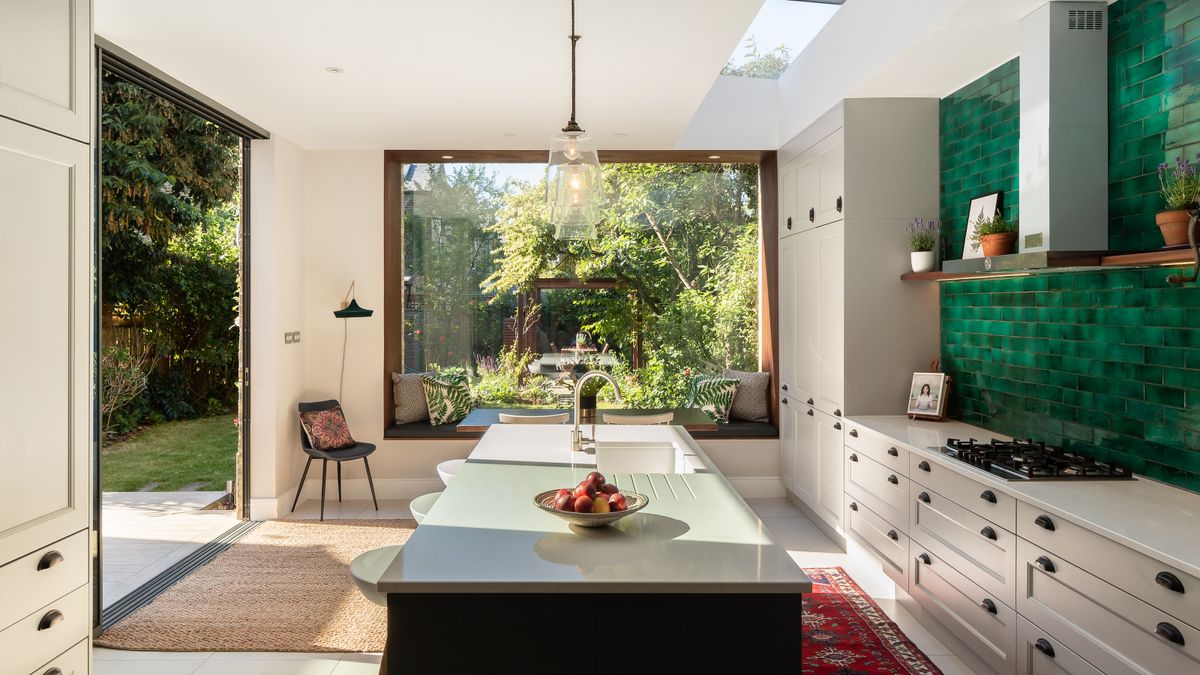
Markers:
point(927, 396)
point(986, 205)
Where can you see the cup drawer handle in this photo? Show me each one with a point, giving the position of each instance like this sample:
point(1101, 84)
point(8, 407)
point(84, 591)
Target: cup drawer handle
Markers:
point(924, 496)
point(988, 532)
point(53, 671)
point(1044, 522)
point(1044, 564)
point(1043, 645)
point(924, 466)
point(893, 452)
point(893, 480)
point(988, 606)
point(1169, 633)
point(51, 559)
point(50, 620)
point(988, 496)
point(893, 536)
point(1169, 581)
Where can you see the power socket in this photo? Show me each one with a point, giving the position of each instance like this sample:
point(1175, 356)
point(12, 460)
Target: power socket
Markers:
point(291, 337)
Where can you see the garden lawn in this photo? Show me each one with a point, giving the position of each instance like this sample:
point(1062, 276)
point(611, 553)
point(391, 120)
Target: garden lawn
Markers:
point(198, 454)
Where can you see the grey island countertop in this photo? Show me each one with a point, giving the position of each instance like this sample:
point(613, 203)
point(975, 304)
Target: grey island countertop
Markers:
point(485, 535)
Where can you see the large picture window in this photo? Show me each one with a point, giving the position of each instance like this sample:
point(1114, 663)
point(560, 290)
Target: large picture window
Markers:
point(669, 287)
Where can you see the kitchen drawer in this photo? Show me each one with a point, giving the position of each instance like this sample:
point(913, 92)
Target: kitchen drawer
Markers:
point(981, 621)
point(878, 447)
point(38, 578)
point(1040, 654)
point(1106, 626)
point(885, 490)
point(28, 643)
point(974, 545)
point(887, 541)
point(1133, 571)
point(985, 500)
point(74, 661)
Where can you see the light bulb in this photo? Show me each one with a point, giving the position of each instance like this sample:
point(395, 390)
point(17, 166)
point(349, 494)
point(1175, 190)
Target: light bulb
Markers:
point(572, 150)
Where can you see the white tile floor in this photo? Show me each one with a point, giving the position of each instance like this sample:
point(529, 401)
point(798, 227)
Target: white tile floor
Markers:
point(807, 544)
point(144, 533)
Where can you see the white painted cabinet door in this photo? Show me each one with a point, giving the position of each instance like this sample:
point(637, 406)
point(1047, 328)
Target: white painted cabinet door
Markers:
point(45, 300)
point(808, 191)
point(804, 347)
point(829, 317)
point(45, 72)
point(831, 162)
point(808, 468)
point(788, 222)
point(830, 461)
point(788, 339)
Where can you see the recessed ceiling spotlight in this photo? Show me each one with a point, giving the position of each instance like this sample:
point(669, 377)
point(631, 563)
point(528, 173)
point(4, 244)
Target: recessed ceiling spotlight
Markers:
point(714, 157)
point(620, 134)
point(509, 134)
point(336, 70)
point(447, 156)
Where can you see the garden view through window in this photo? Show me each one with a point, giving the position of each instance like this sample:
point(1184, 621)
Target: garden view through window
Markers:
point(668, 289)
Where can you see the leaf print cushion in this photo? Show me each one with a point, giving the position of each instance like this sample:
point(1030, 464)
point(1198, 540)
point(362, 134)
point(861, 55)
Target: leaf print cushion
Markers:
point(448, 397)
point(713, 395)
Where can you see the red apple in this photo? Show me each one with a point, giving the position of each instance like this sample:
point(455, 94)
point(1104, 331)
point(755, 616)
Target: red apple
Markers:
point(616, 502)
point(595, 478)
point(583, 504)
point(609, 488)
point(561, 492)
point(565, 502)
point(585, 489)
point(600, 504)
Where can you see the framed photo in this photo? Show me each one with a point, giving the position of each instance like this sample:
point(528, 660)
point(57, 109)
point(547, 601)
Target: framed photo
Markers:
point(927, 396)
point(987, 206)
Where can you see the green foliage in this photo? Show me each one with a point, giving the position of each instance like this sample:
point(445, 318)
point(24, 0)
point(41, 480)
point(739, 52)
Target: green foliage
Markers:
point(499, 381)
point(1180, 183)
point(768, 65)
point(996, 224)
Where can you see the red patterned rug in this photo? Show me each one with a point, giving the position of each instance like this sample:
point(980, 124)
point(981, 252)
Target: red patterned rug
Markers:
point(845, 632)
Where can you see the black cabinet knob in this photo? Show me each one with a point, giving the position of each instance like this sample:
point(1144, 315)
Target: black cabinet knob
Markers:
point(853, 457)
point(1043, 645)
point(53, 671)
point(893, 536)
point(1169, 633)
point(810, 412)
point(783, 400)
point(893, 480)
point(853, 506)
point(50, 620)
point(988, 606)
point(812, 215)
point(49, 560)
point(924, 557)
point(893, 452)
point(789, 222)
point(1044, 564)
point(988, 532)
point(837, 425)
point(988, 496)
point(924, 466)
point(854, 433)
point(924, 496)
point(810, 401)
point(837, 412)
point(839, 204)
point(1044, 522)
point(1169, 581)
point(784, 387)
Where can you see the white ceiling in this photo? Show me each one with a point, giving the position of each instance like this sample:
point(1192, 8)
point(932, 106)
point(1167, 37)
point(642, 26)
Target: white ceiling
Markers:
point(425, 74)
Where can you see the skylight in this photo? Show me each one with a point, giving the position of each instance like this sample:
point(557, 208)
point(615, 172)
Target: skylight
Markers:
point(782, 29)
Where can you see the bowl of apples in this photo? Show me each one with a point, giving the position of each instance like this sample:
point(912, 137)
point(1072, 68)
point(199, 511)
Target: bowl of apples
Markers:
point(593, 503)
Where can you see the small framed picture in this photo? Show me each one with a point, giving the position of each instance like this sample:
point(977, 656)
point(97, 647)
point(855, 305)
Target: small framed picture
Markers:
point(927, 396)
point(984, 206)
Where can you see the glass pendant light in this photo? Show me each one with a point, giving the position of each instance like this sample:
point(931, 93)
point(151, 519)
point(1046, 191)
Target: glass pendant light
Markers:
point(574, 182)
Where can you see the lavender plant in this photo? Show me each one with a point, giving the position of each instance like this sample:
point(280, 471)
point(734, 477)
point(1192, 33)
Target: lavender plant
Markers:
point(922, 234)
point(1180, 183)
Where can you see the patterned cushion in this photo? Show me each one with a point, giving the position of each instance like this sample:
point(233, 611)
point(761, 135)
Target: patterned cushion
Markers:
point(448, 398)
point(750, 401)
point(713, 395)
point(326, 429)
point(408, 393)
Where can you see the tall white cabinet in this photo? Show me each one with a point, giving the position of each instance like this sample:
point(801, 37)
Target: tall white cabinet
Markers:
point(851, 334)
point(46, 286)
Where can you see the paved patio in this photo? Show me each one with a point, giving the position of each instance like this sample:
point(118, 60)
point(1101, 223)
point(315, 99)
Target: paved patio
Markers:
point(144, 533)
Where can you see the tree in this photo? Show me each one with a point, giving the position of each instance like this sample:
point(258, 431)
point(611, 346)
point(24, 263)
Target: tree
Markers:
point(769, 65)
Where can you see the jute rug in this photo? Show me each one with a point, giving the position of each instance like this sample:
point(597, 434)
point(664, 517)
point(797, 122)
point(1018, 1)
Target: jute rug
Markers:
point(284, 587)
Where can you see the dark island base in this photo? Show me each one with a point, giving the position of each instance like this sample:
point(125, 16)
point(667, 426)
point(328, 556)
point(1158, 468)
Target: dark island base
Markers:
point(589, 632)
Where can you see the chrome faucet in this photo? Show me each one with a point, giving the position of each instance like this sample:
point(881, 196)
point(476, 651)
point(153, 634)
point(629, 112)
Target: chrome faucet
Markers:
point(576, 434)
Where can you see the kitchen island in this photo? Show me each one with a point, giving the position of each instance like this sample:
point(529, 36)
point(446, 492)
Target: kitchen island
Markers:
point(488, 580)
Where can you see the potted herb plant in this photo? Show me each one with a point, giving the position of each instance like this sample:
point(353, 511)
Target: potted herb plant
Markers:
point(996, 234)
point(922, 237)
point(1181, 191)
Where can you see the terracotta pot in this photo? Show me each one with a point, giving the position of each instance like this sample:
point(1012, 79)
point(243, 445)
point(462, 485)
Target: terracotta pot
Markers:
point(1174, 225)
point(922, 261)
point(998, 244)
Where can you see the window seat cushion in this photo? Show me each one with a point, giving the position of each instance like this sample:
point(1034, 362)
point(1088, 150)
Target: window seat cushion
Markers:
point(739, 429)
point(424, 429)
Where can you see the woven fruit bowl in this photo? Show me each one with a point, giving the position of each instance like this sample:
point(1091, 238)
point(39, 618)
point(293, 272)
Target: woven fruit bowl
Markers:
point(633, 500)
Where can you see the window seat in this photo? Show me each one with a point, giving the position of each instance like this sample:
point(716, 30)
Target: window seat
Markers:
point(482, 418)
point(739, 429)
point(425, 430)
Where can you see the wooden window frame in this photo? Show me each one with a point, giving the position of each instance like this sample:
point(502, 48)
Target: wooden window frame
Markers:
point(393, 240)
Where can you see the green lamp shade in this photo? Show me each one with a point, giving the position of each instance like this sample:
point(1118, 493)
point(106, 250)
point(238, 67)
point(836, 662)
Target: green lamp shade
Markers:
point(353, 311)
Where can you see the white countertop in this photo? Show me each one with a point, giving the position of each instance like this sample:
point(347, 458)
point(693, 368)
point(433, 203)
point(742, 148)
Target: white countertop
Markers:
point(1157, 519)
point(485, 535)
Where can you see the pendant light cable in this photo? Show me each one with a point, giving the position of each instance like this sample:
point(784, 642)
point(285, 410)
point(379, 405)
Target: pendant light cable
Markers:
point(572, 125)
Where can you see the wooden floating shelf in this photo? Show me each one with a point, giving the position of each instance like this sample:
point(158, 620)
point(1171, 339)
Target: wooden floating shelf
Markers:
point(1141, 259)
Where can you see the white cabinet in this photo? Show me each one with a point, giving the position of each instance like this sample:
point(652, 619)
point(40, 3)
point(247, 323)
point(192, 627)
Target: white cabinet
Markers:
point(788, 221)
point(45, 57)
point(829, 296)
point(831, 167)
point(829, 470)
point(808, 191)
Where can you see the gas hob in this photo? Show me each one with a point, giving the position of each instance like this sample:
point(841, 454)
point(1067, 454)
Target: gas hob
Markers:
point(1031, 460)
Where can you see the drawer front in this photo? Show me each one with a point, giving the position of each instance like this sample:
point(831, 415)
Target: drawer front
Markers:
point(72, 662)
point(1138, 574)
point(1106, 626)
point(982, 499)
point(38, 578)
point(888, 489)
point(972, 544)
point(964, 609)
point(886, 541)
point(28, 643)
point(1040, 654)
point(878, 447)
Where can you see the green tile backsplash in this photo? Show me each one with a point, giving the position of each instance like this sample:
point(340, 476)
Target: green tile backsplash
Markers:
point(980, 128)
point(1153, 109)
point(1103, 362)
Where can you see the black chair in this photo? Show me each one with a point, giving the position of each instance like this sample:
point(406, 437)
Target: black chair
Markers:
point(356, 451)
